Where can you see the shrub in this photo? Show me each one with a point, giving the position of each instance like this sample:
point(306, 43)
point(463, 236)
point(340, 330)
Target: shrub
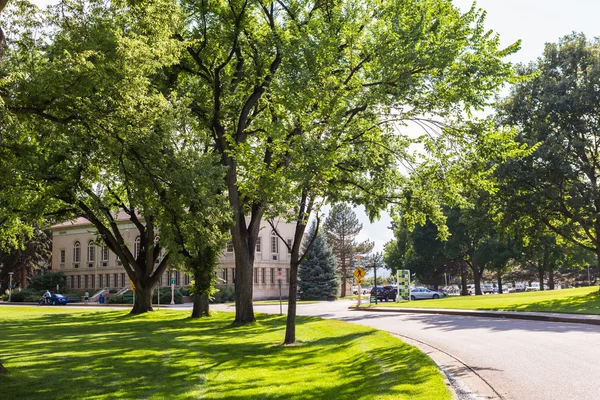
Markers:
point(185, 290)
point(224, 294)
point(26, 295)
point(165, 296)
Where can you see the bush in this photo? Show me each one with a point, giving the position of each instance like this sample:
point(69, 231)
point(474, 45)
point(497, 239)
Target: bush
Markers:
point(185, 290)
point(224, 294)
point(165, 297)
point(26, 295)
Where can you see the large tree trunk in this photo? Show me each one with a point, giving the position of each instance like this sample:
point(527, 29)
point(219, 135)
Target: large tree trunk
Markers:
point(244, 264)
point(551, 279)
point(3, 370)
point(477, 273)
point(499, 282)
point(541, 278)
point(344, 279)
point(463, 280)
point(201, 306)
point(290, 326)
point(143, 299)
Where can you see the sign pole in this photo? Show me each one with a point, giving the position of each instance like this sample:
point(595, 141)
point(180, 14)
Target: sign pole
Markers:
point(10, 274)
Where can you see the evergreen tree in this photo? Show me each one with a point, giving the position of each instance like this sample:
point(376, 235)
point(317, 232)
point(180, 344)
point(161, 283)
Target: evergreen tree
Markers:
point(341, 228)
point(317, 277)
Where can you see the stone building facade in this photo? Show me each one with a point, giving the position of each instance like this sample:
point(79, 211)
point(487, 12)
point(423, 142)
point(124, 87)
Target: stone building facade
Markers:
point(89, 266)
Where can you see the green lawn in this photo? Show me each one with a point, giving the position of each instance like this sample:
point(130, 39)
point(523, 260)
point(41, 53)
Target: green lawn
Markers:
point(578, 301)
point(59, 353)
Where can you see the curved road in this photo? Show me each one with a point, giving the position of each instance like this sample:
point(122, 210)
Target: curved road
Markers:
point(516, 359)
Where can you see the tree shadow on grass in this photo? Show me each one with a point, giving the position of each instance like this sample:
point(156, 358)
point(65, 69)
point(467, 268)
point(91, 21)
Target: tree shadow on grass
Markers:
point(586, 304)
point(112, 355)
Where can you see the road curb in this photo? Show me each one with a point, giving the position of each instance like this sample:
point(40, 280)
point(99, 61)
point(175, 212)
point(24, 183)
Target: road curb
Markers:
point(571, 318)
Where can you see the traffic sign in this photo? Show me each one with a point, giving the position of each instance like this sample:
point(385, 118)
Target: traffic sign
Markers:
point(359, 281)
point(10, 286)
point(359, 273)
point(132, 285)
point(279, 274)
point(173, 281)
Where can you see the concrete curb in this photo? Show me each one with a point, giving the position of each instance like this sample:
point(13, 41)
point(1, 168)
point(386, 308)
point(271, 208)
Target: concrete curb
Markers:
point(569, 318)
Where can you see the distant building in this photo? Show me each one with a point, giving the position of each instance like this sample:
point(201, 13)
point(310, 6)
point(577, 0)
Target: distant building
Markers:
point(87, 265)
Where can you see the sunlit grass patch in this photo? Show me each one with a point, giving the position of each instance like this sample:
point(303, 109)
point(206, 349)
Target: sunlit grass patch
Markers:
point(75, 354)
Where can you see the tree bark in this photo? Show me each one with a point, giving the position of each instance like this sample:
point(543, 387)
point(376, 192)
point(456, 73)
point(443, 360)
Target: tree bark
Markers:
point(499, 282)
point(143, 299)
point(541, 278)
point(290, 326)
point(244, 264)
point(477, 273)
point(463, 280)
point(201, 306)
point(551, 279)
point(3, 370)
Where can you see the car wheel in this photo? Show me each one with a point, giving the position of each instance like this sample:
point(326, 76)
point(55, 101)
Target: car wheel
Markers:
point(435, 296)
point(53, 303)
point(413, 298)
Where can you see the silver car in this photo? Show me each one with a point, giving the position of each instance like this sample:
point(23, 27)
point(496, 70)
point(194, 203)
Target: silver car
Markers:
point(420, 293)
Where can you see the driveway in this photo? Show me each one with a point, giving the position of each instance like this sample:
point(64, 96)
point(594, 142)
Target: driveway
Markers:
point(496, 358)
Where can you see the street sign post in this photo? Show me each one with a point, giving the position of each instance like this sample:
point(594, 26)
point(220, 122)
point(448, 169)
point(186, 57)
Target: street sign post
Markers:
point(359, 273)
point(279, 277)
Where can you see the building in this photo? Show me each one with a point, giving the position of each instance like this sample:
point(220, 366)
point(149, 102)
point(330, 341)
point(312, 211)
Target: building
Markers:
point(87, 265)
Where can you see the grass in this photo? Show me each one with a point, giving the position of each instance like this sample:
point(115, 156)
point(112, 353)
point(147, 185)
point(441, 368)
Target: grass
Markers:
point(576, 301)
point(81, 354)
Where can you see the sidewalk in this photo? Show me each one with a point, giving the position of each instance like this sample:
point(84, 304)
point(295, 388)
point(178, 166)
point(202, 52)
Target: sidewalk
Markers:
point(534, 316)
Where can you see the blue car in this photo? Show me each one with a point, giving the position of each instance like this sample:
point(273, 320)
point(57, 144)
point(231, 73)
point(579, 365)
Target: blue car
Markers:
point(58, 299)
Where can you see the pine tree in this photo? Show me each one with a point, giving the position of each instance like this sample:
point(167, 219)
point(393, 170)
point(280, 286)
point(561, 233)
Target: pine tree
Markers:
point(342, 227)
point(317, 276)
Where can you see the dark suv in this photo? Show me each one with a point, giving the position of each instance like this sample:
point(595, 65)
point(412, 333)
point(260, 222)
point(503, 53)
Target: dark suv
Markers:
point(385, 293)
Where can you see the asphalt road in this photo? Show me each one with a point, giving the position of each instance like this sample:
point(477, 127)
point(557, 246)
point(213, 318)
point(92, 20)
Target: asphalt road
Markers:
point(516, 359)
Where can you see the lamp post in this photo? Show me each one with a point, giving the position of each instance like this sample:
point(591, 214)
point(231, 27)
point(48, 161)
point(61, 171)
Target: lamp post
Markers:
point(172, 287)
point(10, 275)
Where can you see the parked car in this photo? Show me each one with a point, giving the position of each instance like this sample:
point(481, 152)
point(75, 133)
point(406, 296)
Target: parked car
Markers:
point(419, 293)
point(58, 299)
point(487, 289)
point(363, 290)
point(384, 293)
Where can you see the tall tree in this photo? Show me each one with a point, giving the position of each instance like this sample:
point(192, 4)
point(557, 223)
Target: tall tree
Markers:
point(558, 108)
point(93, 125)
point(317, 274)
point(24, 262)
point(341, 228)
point(264, 76)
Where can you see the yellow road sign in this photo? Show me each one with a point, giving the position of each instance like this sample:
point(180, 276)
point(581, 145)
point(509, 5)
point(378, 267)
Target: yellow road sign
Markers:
point(359, 281)
point(132, 285)
point(359, 273)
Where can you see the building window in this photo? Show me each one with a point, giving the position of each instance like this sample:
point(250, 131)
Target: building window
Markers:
point(274, 244)
point(289, 242)
point(63, 256)
point(76, 252)
point(86, 281)
point(122, 280)
point(224, 274)
point(287, 275)
point(263, 273)
point(187, 279)
point(258, 243)
point(91, 251)
point(78, 281)
point(255, 275)
point(72, 282)
point(233, 274)
point(137, 246)
point(104, 254)
point(100, 280)
point(230, 247)
point(272, 275)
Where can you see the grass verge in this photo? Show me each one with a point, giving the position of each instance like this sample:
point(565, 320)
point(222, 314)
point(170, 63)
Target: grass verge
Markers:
point(83, 354)
point(575, 301)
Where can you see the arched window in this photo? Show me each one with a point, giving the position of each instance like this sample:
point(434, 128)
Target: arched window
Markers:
point(91, 251)
point(274, 243)
point(76, 252)
point(137, 246)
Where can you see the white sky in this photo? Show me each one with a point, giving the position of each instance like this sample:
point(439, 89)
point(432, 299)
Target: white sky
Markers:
point(534, 22)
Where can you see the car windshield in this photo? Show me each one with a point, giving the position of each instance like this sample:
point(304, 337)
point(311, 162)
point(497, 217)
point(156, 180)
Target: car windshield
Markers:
point(59, 296)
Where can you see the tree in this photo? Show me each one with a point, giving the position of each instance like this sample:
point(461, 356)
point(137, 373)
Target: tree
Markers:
point(317, 273)
point(264, 76)
point(341, 228)
point(557, 108)
point(93, 123)
point(25, 262)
